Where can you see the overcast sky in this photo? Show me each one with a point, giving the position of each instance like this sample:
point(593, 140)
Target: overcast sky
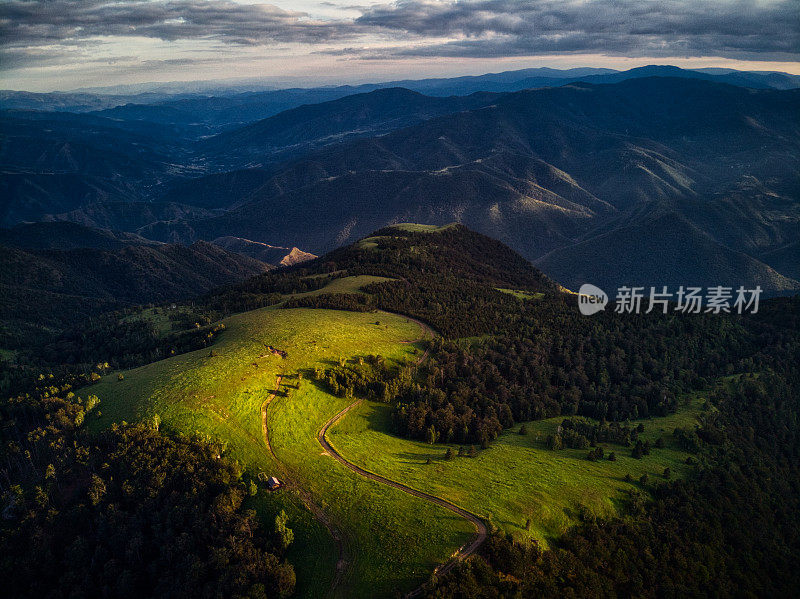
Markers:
point(67, 44)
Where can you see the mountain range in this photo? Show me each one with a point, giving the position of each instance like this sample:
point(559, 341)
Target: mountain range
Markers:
point(652, 176)
point(558, 174)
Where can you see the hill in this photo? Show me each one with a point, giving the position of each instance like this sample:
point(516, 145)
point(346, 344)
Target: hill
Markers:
point(785, 259)
point(67, 236)
point(53, 163)
point(626, 256)
point(48, 290)
point(571, 420)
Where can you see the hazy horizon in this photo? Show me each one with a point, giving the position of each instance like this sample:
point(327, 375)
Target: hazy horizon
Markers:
point(64, 45)
point(275, 83)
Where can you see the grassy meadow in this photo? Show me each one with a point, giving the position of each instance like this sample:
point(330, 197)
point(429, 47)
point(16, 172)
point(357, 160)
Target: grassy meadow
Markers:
point(394, 540)
point(518, 477)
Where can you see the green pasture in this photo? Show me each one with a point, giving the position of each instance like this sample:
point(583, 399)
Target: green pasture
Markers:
point(519, 294)
point(518, 477)
point(394, 540)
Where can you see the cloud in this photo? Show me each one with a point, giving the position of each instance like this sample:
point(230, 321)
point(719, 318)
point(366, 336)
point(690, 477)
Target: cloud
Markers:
point(492, 28)
point(41, 32)
point(35, 22)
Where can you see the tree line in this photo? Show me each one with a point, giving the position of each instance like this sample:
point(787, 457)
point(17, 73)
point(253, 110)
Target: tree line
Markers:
point(128, 513)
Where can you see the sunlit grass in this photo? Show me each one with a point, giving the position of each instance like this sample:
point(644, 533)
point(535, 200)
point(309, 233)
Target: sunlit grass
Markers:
point(523, 295)
point(518, 477)
point(396, 539)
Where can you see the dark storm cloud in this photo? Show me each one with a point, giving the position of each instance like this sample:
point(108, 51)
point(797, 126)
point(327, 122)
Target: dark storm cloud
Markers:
point(37, 32)
point(491, 28)
point(37, 22)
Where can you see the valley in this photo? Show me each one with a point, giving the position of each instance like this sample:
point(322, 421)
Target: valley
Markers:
point(332, 342)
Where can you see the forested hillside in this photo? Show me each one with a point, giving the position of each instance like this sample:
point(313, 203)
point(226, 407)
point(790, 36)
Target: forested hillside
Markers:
point(511, 348)
point(47, 290)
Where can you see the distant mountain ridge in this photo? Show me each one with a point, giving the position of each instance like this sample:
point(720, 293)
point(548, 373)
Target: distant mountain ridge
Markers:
point(543, 170)
point(68, 236)
point(220, 100)
point(549, 169)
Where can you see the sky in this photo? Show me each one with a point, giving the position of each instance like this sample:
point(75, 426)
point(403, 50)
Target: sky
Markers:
point(69, 44)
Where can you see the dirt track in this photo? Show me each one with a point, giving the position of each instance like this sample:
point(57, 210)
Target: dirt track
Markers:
point(338, 536)
point(463, 551)
point(342, 550)
point(480, 527)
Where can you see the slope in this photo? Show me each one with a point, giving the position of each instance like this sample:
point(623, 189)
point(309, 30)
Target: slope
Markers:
point(67, 236)
point(46, 290)
point(664, 249)
point(393, 547)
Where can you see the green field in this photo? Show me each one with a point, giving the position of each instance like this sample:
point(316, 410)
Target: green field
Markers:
point(420, 228)
point(394, 540)
point(391, 540)
point(372, 242)
point(519, 294)
point(518, 477)
point(344, 285)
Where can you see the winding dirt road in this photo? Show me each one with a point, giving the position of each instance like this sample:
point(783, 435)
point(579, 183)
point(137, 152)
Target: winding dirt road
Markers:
point(337, 534)
point(480, 527)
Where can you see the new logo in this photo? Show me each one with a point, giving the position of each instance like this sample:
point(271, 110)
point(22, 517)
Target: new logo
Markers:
point(591, 299)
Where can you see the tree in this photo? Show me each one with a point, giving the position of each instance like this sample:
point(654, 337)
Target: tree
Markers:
point(97, 489)
point(284, 533)
point(431, 436)
point(596, 454)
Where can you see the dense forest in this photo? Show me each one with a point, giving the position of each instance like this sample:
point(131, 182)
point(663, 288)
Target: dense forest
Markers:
point(526, 359)
point(731, 531)
point(134, 511)
point(128, 513)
